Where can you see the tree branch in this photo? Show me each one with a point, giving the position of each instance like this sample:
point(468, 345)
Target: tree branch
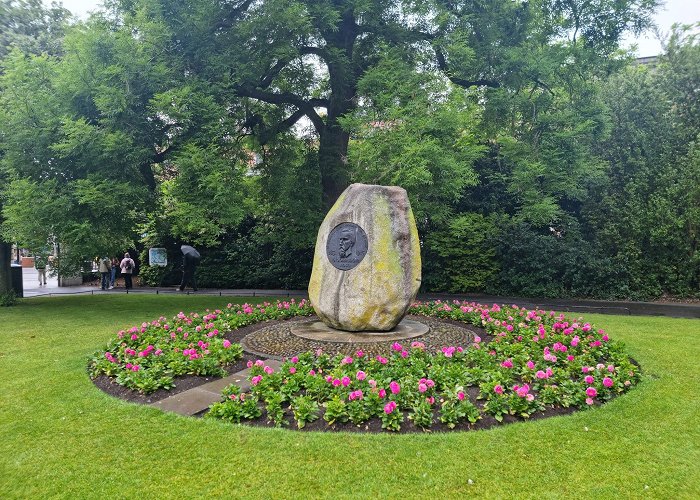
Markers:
point(228, 20)
point(287, 98)
point(442, 64)
point(270, 132)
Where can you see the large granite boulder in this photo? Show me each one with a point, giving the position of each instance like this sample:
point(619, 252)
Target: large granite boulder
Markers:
point(367, 267)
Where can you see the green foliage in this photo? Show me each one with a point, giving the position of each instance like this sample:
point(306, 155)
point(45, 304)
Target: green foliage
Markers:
point(305, 410)
point(461, 257)
point(8, 299)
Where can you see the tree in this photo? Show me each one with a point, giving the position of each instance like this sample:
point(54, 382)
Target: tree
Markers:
point(306, 58)
point(28, 26)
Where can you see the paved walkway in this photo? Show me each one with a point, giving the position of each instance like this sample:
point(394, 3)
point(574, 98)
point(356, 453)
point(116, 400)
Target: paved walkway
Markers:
point(671, 309)
point(196, 400)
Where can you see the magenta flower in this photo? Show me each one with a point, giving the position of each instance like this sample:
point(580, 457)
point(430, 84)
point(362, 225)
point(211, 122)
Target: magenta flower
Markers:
point(312, 373)
point(460, 396)
point(508, 363)
point(359, 353)
point(591, 392)
point(382, 393)
point(588, 379)
point(395, 387)
point(530, 365)
point(295, 359)
point(608, 382)
point(249, 364)
point(226, 344)
point(404, 354)
point(498, 389)
point(345, 381)
point(389, 407)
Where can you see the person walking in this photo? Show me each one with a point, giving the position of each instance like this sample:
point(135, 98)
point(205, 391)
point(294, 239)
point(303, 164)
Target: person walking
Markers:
point(113, 272)
point(105, 268)
point(127, 267)
point(40, 262)
point(190, 260)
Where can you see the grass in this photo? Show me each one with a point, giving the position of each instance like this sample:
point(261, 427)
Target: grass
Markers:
point(62, 437)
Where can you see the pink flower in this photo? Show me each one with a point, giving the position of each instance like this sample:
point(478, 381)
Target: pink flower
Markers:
point(259, 362)
point(460, 396)
point(346, 360)
point(360, 375)
point(585, 369)
point(498, 389)
point(359, 353)
point(530, 397)
point(389, 407)
point(268, 370)
point(294, 359)
point(422, 388)
point(336, 382)
point(397, 347)
point(382, 393)
point(372, 383)
point(255, 380)
point(540, 374)
point(292, 370)
point(134, 337)
point(530, 365)
point(249, 364)
point(611, 368)
point(589, 401)
point(591, 392)
point(395, 387)
point(345, 381)
point(404, 354)
point(226, 344)
point(608, 382)
point(430, 400)
point(508, 363)
point(430, 383)
point(588, 379)
point(477, 339)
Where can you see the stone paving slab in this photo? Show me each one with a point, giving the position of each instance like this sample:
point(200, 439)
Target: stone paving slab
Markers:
point(199, 398)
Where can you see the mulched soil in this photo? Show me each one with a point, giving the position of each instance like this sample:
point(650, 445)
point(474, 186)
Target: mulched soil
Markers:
point(374, 425)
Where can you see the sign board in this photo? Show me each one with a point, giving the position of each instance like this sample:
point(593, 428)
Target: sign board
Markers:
point(157, 257)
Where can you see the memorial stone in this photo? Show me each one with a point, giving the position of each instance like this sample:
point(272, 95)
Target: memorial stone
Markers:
point(367, 267)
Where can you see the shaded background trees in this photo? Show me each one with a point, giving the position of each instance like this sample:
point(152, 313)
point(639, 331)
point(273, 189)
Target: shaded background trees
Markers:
point(537, 159)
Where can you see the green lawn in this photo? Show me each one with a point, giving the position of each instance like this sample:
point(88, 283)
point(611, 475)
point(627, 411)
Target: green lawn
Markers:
point(62, 437)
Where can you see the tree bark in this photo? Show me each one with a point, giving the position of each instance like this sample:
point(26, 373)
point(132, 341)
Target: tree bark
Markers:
point(332, 161)
point(5, 269)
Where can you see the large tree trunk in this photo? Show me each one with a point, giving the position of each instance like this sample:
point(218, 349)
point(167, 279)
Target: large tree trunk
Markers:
point(5, 269)
point(332, 160)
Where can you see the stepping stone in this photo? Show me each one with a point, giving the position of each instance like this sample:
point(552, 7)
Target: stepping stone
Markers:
point(198, 399)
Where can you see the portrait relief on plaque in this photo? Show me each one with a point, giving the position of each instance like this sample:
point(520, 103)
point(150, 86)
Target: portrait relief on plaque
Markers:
point(346, 246)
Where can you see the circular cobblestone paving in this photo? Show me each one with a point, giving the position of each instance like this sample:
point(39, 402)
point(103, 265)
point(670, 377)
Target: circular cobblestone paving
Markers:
point(277, 340)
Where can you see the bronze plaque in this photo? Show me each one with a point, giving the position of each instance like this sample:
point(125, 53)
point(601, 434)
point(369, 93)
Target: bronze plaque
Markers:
point(346, 246)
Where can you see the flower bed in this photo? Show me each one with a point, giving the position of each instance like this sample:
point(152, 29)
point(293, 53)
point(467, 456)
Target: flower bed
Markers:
point(149, 356)
point(533, 361)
